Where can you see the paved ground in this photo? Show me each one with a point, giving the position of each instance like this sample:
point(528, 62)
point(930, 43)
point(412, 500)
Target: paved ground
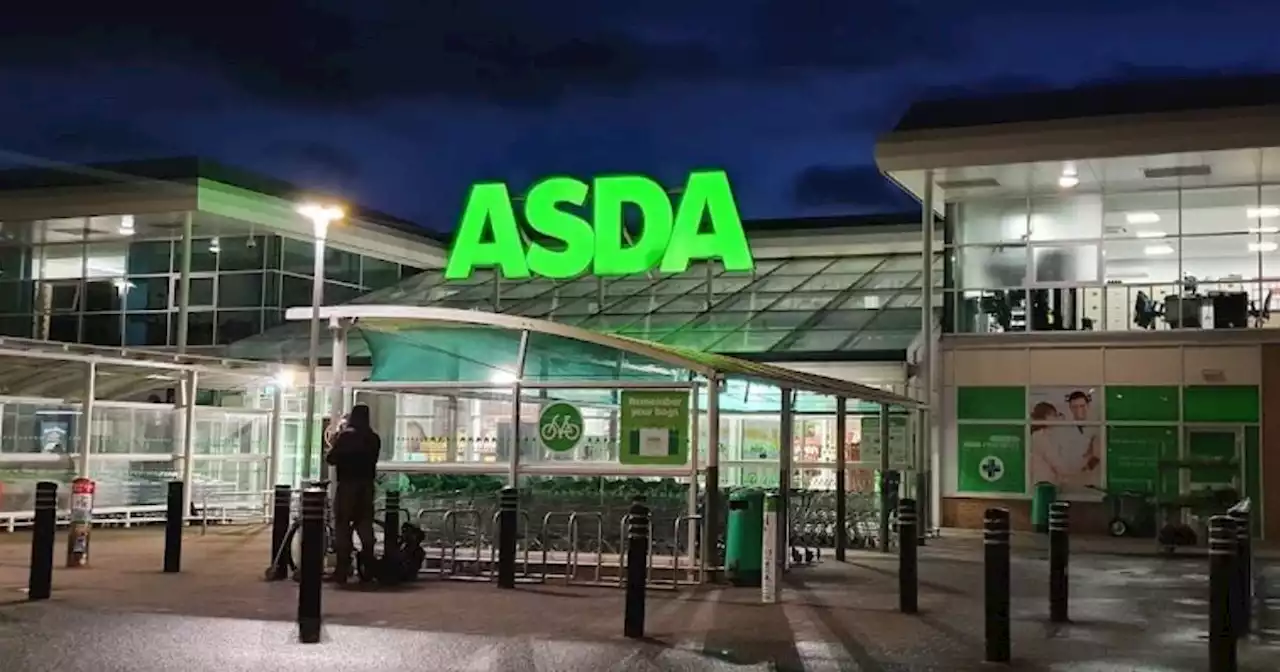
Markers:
point(218, 614)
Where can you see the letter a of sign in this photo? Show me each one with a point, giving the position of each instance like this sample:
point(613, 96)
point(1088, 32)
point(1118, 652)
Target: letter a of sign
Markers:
point(707, 193)
point(488, 203)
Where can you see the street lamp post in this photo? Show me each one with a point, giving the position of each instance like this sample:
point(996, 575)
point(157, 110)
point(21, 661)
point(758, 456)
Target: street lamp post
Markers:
point(321, 216)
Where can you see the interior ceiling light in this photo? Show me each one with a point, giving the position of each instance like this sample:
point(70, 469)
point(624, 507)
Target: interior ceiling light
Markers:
point(1068, 179)
point(1156, 250)
point(1264, 229)
point(1266, 246)
point(1142, 217)
point(1150, 234)
point(126, 225)
point(1263, 212)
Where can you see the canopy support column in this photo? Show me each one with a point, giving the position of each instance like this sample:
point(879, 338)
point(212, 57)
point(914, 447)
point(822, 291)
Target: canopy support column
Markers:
point(273, 436)
point(785, 450)
point(884, 472)
point(337, 396)
point(86, 418)
point(189, 390)
point(711, 509)
point(513, 473)
point(842, 470)
point(925, 361)
point(695, 429)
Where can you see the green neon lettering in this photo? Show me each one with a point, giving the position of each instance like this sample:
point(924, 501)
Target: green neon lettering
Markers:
point(487, 203)
point(707, 193)
point(613, 257)
point(566, 246)
point(572, 257)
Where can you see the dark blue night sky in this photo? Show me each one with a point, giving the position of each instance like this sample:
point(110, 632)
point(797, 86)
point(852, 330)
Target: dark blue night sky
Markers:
point(400, 104)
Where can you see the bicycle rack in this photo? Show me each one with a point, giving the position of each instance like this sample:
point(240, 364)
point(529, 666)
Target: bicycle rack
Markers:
point(572, 568)
point(686, 521)
point(451, 530)
point(522, 542)
point(622, 556)
point(546, 545)
point(420, 518)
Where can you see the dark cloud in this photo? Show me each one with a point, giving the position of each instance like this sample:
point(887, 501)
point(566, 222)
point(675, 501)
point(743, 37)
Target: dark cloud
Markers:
point(859, 187)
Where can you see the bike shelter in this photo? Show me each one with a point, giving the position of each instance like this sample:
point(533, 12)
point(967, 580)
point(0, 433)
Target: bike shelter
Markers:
point(513, 369)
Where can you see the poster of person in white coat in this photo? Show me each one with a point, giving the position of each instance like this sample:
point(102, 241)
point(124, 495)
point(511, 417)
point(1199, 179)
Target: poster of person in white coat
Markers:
point(1066, 441)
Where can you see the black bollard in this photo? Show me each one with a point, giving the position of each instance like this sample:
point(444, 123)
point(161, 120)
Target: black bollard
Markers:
point(311, 569)
point(637, 565)
point(1242, 593)
point(508, 520)
point(173, 528)
point(908, 557)
point(1059, 553)
point(282, 501)
point(1222, 551)
point(387, 569)
point(995, 543)
point(40, 578)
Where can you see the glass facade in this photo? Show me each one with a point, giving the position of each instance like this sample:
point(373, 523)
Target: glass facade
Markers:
point(798, 305)
point(1194, 247)
point(114, 280)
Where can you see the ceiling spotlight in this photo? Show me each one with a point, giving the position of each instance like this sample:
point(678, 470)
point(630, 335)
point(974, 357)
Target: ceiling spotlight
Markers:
point(1069, 178)
point(1150, 234)
point(126, 225)
point(215, 246)
point(1156, 250)
point(1142, 217)
point(1266, 246)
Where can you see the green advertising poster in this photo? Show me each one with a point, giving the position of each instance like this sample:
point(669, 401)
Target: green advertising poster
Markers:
point(869, 447)
point(654, 427)
point(1133, 459)
point(992, 458)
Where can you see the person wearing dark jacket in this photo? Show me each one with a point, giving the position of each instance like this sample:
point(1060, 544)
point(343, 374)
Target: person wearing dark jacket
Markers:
point(354, 456)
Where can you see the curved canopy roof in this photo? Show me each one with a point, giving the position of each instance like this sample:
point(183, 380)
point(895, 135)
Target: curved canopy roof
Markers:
point(415, 344)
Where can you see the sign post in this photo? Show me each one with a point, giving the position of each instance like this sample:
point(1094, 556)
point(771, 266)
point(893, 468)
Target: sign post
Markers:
point(82, 490)
point(769, 561)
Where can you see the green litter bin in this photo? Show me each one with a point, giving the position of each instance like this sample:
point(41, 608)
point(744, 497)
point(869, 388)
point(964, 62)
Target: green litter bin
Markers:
point(744, 538)
point(1044, 494)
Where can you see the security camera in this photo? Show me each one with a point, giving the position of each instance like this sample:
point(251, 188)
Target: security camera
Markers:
point(251, 242)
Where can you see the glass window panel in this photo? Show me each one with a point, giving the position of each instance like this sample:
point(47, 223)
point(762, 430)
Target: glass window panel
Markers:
point(102, 329)
point(294, 291)
point(1140, 261)
point(641, 304)
point(64, 295)
point(17, 296)
point(1078, 216)
point(1003, 221)
point(832, 281)
point(201, 291)
point(204, 254)
point(780, 283)
point(410, 271)
point(747, 301)
point(1220, 211)
point(748, 341)
point(816, 340)
point(882, 340)
point(512, 291)
point(698, 339)
point(809, 301)
point(146, 329)
point(104, 295)
point(1217, 258)
point(894, 319)
point(728, 284)
point(105, 260)
point(993, 267)
point(297, 256)
point(845, 319)
point(1141, 216)
point(149, 256)
point(891, 280)
point(335, 293)
point(272, 252)
point(801, 267)
point(242, 253)
point(16, 261)
point(64, 328)
point(867, 300)
point(341, 265)
point(147, 293)
point(20, 326)
point(777, 319)
point(271, 289)
point(857, 265)
point(240, 290)
point(235, 325)
point(1065, 264)
point(720, 320)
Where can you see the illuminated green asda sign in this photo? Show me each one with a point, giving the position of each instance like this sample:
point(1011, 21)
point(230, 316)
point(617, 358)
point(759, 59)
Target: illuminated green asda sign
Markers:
point(673, 234)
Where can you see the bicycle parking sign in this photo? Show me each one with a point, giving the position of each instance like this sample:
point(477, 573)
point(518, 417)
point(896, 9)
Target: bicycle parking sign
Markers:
point(560, 427)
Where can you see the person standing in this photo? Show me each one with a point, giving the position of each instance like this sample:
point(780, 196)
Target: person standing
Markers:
point(354, 456)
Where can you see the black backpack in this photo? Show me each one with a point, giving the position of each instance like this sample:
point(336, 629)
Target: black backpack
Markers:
point(407, 562)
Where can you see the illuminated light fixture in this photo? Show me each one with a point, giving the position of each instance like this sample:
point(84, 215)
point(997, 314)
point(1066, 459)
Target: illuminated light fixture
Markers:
point(321, 216)
point(1267, 246)
point(122, 286)
point(1150, 234)
point(215, 246)
point(1142, 217)
point(126, 225)
point(1264, 229)
point(1069, 178)
point(284, 378)
point(503, 378)
point(1156, 250)
point(1263, 212)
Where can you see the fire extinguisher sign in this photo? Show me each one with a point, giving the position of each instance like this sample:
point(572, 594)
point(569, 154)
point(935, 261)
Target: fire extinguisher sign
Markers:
point(82, 490)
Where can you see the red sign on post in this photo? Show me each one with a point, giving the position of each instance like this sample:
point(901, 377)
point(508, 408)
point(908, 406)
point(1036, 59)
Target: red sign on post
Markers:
point(82, 490)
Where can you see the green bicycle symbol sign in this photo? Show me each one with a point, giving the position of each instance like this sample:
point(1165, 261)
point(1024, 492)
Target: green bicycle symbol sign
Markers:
point(560, 427)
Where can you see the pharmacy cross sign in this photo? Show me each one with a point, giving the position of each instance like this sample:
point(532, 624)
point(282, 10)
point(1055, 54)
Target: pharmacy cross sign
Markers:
point(992, 468)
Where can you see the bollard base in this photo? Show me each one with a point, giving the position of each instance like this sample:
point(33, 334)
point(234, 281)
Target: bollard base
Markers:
point(309, 630)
